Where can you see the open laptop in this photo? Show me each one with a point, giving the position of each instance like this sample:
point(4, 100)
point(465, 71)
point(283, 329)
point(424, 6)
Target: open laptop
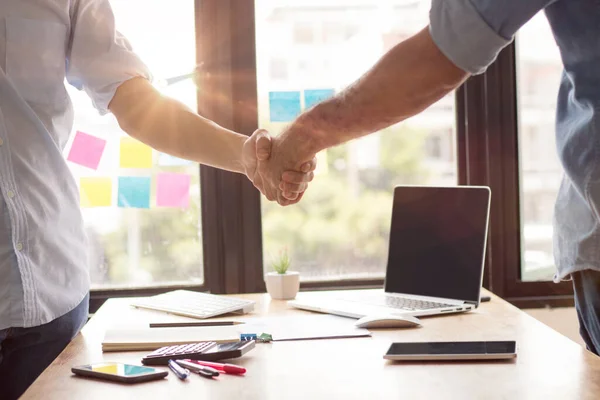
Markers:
point(436, 257)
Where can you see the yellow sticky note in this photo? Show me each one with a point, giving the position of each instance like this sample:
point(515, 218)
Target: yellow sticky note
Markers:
point(95, 192)
point(135, 154)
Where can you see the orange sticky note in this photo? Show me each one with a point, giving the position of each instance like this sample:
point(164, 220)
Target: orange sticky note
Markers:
point(134, 154)
point(95, 192)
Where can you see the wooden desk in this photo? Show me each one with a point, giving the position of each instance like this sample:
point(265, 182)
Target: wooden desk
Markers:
point(548, 366)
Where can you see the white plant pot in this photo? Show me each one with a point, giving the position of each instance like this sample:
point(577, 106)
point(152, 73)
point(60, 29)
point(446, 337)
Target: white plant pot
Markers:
point(283, 286)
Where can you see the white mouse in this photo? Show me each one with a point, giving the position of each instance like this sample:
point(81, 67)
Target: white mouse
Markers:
point(387, 321)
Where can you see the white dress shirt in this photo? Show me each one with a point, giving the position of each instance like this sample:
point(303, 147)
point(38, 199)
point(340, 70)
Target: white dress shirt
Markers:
point(43, 247)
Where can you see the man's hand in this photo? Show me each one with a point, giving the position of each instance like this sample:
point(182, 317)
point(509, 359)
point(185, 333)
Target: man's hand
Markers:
point(291, 161)
point(257, 147)
point(258, 150)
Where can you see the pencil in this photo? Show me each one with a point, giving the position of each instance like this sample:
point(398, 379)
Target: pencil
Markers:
point(198, 323)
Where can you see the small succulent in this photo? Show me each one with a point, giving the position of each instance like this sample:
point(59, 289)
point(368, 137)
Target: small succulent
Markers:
point(282, 263)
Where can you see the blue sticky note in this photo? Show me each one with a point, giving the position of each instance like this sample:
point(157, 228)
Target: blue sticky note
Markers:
point(134, 192)
point(315, 96)
point(284, 106)
point(167, 160)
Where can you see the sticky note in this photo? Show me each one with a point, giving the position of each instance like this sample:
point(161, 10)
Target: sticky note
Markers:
point(315, 96)
point(134, 154)
point(173, 190)
point(134, 192)
point(86, 150)
point(284, 106)
point(95, 192)
point(167, 160)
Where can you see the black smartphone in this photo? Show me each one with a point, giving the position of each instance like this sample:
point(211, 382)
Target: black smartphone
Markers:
point(214, 352)
point(423, 351)
point(119, 372)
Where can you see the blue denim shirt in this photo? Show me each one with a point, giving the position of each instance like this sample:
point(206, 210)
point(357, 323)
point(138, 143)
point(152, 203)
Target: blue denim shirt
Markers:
point(472, 32)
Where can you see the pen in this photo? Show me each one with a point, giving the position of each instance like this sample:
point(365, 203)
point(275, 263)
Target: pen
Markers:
point(182, 373)
point(227, 368)
point(185, 324)
point(207, 372)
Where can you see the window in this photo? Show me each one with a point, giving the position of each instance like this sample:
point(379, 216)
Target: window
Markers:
point(340, 229)
point(539, 69)
point(141, 208)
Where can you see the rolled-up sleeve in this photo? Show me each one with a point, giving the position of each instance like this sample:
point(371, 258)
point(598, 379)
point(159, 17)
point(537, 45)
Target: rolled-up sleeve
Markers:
point(471, 33)
point(99, 58)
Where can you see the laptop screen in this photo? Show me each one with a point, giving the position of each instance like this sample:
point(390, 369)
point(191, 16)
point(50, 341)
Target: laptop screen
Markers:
point(437, 241)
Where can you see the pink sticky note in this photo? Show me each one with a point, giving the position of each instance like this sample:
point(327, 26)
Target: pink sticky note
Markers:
point(173, 190)
point(86, 150)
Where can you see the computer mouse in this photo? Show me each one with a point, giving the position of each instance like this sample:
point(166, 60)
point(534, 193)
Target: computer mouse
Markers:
point(388, 321)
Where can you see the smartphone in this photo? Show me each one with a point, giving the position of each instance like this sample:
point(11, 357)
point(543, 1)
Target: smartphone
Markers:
point(118, 372)
point(214, 352)
point(424, 351)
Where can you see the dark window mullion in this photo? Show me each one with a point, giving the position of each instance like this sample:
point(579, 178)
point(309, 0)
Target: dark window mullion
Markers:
point(227, 95)
point(473, 156)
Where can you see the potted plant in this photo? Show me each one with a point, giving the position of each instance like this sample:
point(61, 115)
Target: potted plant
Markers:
point(282, 284)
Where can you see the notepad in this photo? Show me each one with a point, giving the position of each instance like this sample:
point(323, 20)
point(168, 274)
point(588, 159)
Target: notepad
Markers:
point(155, 338)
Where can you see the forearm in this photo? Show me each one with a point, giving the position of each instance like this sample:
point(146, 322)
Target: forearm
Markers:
point(169, 126)
point(408, 79)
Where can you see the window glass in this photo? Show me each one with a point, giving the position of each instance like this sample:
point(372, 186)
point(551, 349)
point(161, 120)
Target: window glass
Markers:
point(341, 227)
point(141, 207)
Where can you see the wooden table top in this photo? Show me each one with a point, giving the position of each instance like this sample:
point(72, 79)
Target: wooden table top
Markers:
point(548, 365)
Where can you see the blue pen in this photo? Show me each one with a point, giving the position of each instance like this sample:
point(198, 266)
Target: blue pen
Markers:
point(182, 373)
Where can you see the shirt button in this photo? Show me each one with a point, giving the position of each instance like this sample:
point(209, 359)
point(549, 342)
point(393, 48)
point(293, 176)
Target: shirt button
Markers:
point(19, 246)
point(10, 194)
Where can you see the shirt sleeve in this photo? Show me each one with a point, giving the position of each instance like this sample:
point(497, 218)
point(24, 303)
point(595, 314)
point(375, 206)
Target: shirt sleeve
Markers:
point(471, 33)
point(99, 58)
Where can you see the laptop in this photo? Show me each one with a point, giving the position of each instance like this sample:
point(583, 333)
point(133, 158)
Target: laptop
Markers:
point(435, 261)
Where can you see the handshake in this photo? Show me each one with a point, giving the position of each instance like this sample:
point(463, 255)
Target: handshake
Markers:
point(280, 167)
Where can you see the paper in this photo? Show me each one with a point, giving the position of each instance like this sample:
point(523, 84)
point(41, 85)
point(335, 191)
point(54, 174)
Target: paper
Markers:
point(134, 154)
point(315, 96)
point(86, 150)
point(95, 192)
point(134, 192)
point(304, 328)
point(173, 190)
point(155, 338)
point(167, 160)
point(284, 106)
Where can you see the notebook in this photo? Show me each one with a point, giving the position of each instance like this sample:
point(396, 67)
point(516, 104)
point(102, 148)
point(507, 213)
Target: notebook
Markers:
point(155, 338)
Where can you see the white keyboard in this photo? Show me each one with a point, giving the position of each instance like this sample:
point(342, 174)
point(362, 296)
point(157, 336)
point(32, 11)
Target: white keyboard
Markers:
point(195, 304)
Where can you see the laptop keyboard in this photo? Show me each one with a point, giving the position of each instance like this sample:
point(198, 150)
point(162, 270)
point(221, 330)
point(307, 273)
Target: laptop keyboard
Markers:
point(401, 303)
point(412, 304)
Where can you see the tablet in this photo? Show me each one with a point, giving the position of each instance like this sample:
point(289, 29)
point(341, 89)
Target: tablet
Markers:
point(424, 351)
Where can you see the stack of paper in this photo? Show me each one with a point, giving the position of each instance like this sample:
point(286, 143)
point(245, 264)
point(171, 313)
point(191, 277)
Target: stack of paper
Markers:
point(155, 338)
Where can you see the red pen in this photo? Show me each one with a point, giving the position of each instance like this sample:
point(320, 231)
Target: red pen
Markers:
point(227, 368)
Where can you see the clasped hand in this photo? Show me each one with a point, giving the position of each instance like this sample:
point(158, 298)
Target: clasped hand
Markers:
point(275, 171)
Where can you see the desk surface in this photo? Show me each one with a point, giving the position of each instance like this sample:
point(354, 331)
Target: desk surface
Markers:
point(548, 365)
